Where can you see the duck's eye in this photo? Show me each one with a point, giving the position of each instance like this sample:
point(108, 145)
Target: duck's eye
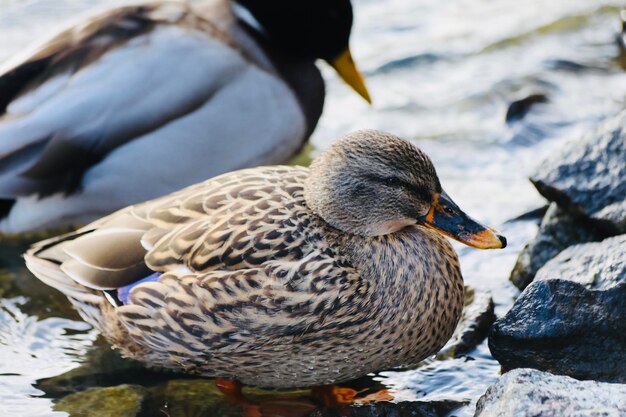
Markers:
point(449, 211)
point(393, 181)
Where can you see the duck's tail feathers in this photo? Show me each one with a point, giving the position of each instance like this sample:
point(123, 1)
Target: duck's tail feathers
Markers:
point(44, 260)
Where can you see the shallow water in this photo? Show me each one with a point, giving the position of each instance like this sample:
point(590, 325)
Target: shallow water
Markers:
point(441, 74)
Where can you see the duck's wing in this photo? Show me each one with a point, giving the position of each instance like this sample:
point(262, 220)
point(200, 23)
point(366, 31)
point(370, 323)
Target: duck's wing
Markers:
point(97, 86)
point(276, 304)
point(242, 260)
point(173, 232)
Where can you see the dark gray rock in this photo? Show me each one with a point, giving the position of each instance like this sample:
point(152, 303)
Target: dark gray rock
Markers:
point(532, 393)
point(588, 177)
point(519, 108)
point(562, 327)
point(557, 231)
point(597, 265)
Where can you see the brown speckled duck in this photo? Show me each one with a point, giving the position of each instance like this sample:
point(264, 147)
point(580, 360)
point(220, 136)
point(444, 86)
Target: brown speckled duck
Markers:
point(278, 276)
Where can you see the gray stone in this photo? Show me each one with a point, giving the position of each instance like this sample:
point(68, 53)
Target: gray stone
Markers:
point(588, 177)
point(597, 265)
point(532, 393)
point(564, 328)
point(557, 231)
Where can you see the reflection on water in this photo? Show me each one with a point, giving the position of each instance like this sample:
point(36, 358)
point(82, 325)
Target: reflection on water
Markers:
point(32, 349)
point(461, 379)
point(441, 74)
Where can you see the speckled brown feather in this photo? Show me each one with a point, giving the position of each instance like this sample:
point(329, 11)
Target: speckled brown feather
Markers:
point(258, 288)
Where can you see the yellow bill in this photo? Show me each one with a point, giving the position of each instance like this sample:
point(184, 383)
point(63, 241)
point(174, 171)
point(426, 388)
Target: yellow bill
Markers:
point(347, 70)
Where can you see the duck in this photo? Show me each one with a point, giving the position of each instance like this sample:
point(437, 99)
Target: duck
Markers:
point(278, 276)
point(140, 101)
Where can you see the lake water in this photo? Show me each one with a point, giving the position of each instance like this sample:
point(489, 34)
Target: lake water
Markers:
point(441, 74)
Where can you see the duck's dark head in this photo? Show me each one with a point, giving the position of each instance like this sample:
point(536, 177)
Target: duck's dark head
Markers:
point(311, 29)
point(372, 183)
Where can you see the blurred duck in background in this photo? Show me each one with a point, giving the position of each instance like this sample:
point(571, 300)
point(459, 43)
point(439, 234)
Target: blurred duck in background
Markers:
point(140, 101)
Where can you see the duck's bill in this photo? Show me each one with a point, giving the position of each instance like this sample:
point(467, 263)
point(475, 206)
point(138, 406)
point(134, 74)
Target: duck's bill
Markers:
point(347, 70)
point(448, 219)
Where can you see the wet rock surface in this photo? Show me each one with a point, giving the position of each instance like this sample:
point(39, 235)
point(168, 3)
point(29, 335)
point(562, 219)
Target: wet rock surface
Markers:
point(588, 176)
point(188, 397)
point(404, 409)
point(597, 265)
point(119, 401)
point(564, 328)
point(528, 392)
point(558, 230)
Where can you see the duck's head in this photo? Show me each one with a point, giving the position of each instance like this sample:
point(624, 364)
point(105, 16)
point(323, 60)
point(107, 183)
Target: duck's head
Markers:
point(314, 29)
point(372, 183)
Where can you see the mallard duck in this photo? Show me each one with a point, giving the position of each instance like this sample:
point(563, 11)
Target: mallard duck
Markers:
point(278, 276)
point(141, 101)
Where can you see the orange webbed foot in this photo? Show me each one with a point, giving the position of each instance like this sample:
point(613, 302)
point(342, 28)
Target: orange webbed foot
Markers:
point(231, 390)
point(381, 395)
point(268, 407)
point(334, 396)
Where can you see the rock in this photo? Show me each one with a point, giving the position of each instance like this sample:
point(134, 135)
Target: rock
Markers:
point(120, 401)
point(588, 178)
point(557, 231)
point(564, 328)
point(190, 397)
point(386, 409)
point(597, 265)
point(478, 316)
point(531, 393)
point(519, 108)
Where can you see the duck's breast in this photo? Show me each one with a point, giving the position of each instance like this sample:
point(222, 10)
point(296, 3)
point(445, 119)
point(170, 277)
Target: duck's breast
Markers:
point(417, 295)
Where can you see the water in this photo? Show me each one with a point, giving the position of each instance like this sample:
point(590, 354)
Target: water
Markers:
point(441, 74)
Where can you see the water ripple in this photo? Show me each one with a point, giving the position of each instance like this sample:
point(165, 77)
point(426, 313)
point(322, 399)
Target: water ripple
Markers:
point(31, 349)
